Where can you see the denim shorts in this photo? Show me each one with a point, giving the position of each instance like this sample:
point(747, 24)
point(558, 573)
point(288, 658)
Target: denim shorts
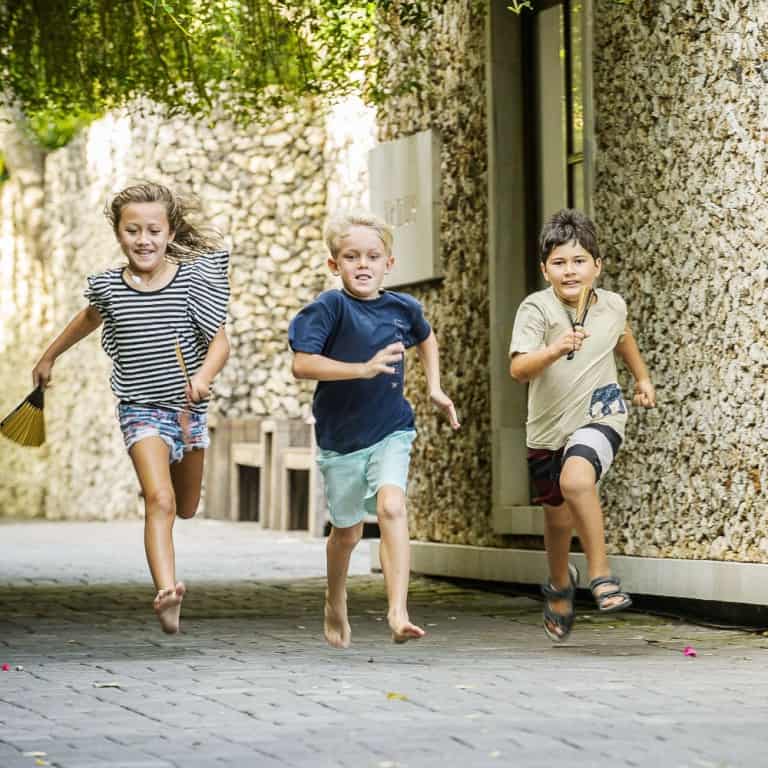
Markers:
point(352, 480)
point(140, 421)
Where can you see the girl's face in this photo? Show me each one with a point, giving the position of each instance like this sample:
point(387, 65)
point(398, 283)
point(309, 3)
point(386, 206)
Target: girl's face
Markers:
point(144, 233)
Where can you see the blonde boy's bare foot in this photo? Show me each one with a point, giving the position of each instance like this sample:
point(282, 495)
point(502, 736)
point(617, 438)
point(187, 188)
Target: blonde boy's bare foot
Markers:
point(338, 633)
point(167, 606)
point(403, 630)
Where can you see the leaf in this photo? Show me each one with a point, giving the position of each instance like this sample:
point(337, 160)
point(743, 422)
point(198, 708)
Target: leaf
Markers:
point(393, 696)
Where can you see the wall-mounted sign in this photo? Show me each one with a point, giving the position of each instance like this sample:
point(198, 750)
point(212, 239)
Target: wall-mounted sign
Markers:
point(405, 191)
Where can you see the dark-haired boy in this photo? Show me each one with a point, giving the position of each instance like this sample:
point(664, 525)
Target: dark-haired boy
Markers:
point(576, 412)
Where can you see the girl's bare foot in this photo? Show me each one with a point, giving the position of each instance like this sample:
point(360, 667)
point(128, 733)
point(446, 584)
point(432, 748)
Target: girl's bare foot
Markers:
point(167, 606)
point(403, 630)
point(336, 629)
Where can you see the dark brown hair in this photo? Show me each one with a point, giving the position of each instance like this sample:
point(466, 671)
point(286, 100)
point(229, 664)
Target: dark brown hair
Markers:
point(568, 225)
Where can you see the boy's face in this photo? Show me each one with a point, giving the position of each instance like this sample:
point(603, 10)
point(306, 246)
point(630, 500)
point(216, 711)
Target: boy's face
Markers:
point(568, 269)
point(361, 262)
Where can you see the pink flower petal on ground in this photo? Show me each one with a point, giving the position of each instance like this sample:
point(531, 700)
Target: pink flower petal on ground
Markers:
point(689, 650)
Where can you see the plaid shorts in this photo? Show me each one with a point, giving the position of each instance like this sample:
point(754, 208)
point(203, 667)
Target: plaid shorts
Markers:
point(139, 421)
point(597, 443)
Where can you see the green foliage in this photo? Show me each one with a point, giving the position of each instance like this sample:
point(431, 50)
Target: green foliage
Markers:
point(65, 59)
point(53, 130)
point(4, 175)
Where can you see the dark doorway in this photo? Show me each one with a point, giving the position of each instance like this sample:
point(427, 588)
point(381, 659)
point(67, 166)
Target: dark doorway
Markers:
point(249, 479)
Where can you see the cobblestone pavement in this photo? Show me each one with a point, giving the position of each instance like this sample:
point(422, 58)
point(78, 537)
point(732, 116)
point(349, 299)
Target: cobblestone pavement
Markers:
point(249, 682)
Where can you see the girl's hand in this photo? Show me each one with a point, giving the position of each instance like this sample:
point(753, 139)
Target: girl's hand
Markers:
point(199, 388)
point(442, 401)
point(382, 361)
point(570, 341)
point(41, 373)
point(645, 394)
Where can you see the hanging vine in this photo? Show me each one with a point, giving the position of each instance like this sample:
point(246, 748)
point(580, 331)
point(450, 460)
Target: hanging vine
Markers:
point(86, 56)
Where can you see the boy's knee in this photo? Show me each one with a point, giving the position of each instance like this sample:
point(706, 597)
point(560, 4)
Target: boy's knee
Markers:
point(577, 477)
point(390, 506)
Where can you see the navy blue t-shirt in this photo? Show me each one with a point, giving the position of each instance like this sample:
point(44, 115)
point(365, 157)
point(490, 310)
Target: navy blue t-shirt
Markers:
point(356, 413)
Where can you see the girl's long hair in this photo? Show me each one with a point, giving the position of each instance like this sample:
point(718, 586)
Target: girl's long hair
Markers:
point(191, 240)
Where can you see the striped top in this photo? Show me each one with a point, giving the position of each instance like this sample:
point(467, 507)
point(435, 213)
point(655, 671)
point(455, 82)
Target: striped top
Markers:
point(141, 327)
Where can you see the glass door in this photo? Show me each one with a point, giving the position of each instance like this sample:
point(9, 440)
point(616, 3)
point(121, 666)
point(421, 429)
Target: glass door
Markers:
point(557, 179)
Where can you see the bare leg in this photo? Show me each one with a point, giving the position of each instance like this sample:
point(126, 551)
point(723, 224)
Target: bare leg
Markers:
point(187, 480)
point(578, 486)
point(395, 552)
point(338, 550)
point(150, 460)
point(558, 531)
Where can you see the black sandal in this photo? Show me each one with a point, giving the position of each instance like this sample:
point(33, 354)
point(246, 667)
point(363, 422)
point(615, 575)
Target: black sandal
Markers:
point(561, 621)
point(602, 597)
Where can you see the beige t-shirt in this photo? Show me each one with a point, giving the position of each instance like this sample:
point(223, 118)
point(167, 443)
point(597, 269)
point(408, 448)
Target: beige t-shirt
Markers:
point(571, 393)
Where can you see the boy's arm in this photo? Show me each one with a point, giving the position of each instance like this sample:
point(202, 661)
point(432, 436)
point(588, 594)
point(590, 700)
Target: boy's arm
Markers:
point(627, 348)
point(525, 366)
point(321, 368)
point(429, 355)
point(84, 322)
point(215, 359)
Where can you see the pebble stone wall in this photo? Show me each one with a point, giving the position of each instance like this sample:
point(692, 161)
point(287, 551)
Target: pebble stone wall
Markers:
point(449, 491)
point(264, 187)
point(682, 199)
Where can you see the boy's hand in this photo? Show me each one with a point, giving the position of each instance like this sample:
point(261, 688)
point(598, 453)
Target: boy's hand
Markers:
point(382, 361)
point(41, 373)
point(645, 394)
point(199, 388)
point(442, 401)
point(570, 341)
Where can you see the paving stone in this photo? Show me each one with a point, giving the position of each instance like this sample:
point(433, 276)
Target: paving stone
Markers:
point(250, 682)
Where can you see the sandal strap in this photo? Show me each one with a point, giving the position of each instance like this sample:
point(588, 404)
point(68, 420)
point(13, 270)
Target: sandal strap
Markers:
point(600, 580)
point(566, 593)
point(564, 620)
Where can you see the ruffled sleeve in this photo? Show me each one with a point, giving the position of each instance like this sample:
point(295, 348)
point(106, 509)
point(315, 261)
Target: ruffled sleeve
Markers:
point(209, 293)
point(99, 293)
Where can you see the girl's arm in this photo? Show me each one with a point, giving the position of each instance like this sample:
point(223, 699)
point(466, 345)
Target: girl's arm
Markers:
point(215, 359)
point(320, 368)
point(430, 359)
point(525, 366)
point(84, 322)
point(627, 348)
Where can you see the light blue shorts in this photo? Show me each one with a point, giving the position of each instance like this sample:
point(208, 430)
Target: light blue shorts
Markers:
point(138, 422)
point(352, 480)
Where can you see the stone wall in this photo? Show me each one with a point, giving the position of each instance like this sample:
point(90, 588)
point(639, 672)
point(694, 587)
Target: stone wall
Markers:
point(682, 128)
point(450, 483)
point(264, 187)
point(24, 313)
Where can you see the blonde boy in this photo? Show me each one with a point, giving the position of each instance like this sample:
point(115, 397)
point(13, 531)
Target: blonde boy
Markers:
point(351, 341)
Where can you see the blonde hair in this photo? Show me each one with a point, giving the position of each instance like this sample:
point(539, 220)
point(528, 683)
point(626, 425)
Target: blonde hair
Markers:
point(338, 225)
point(190, 240)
